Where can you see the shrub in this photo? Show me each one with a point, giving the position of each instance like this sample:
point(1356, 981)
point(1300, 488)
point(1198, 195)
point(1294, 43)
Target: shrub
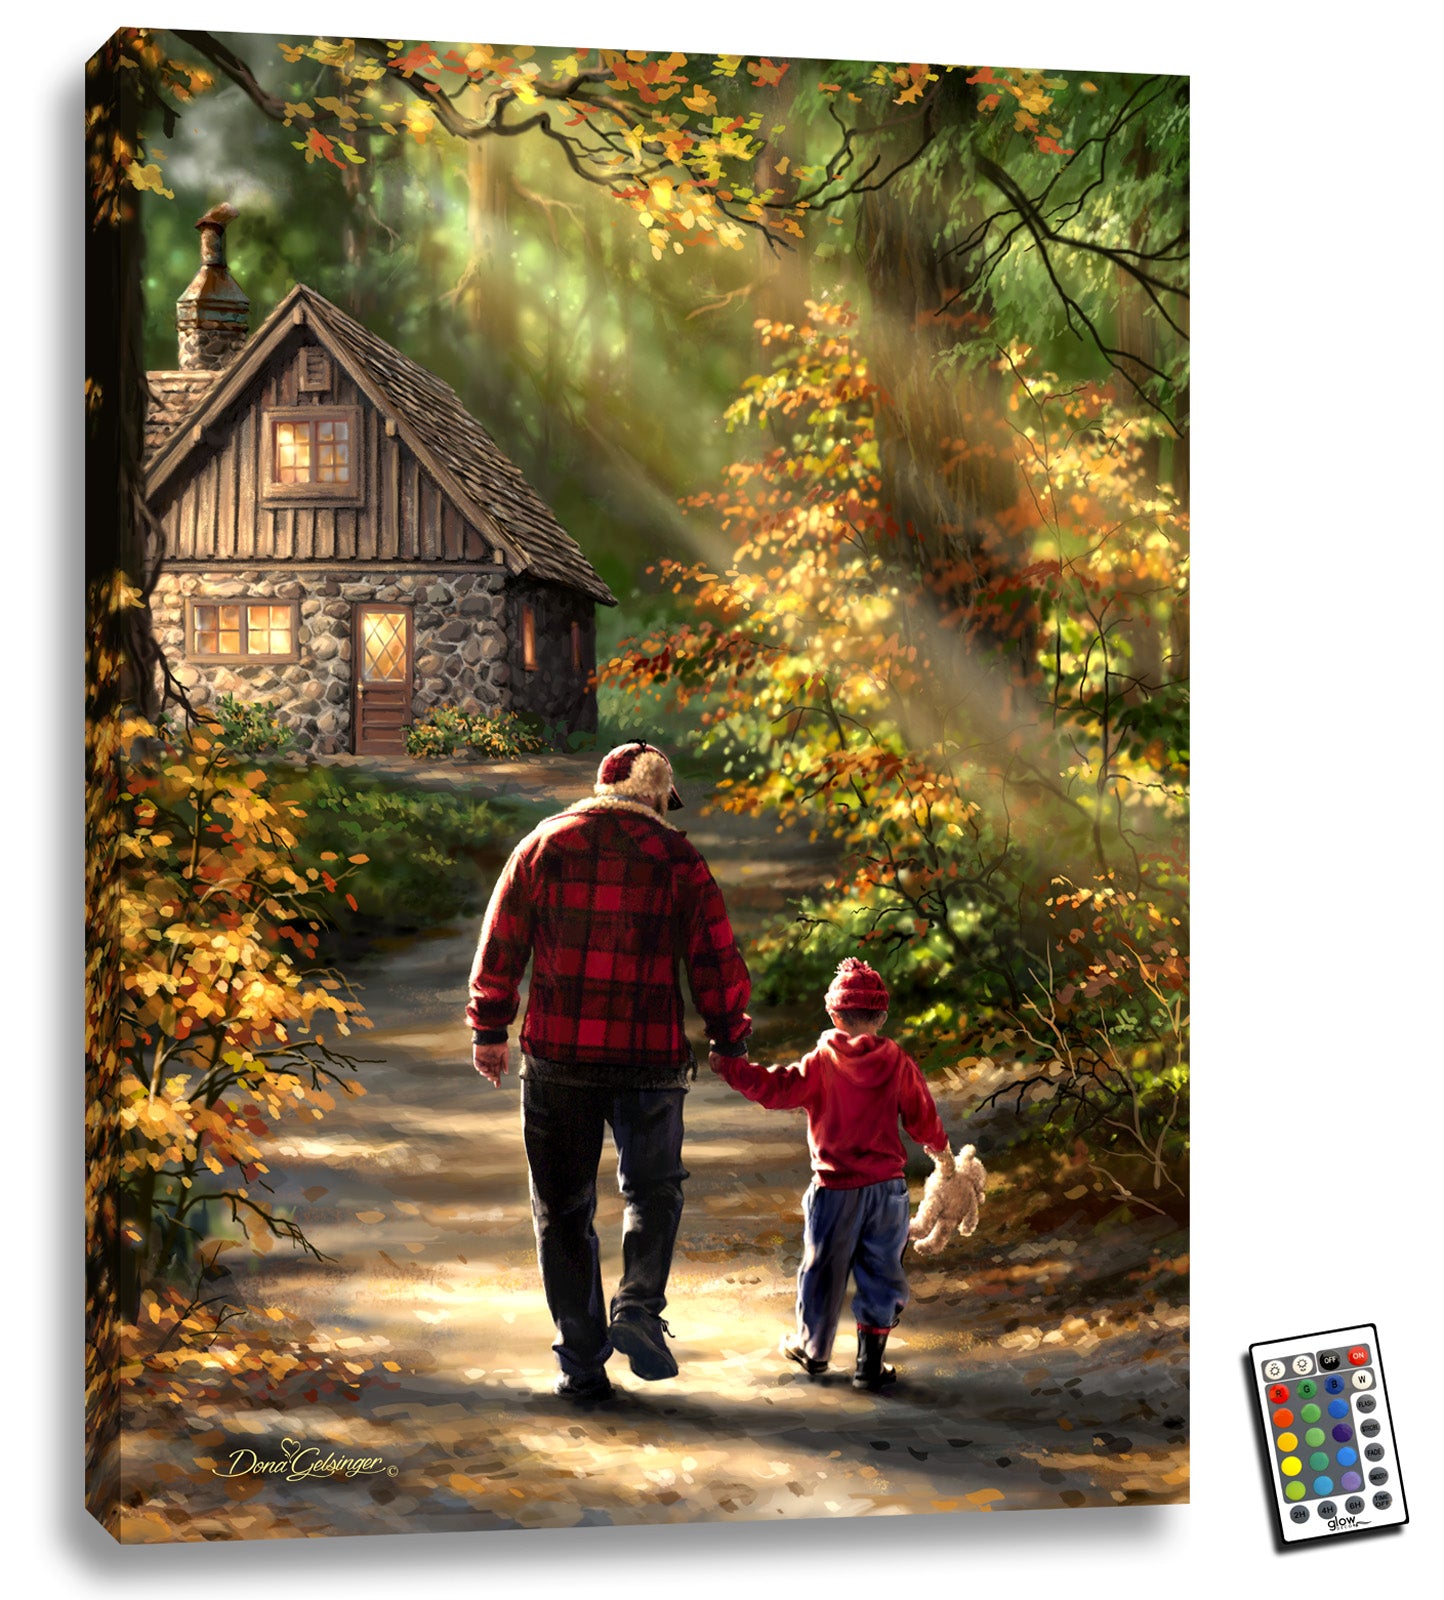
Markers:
point(445, 731)
point(220, 1025)
point(252, 727)
point(428, 851)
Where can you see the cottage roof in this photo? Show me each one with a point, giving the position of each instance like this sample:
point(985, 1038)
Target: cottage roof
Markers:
point(448, 441)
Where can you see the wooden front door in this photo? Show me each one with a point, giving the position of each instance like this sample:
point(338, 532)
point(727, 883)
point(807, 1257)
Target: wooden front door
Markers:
point(381, 679)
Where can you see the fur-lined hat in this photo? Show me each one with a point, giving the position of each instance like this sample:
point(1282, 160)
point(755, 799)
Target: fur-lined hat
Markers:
point(638, 771)
point(856, 987)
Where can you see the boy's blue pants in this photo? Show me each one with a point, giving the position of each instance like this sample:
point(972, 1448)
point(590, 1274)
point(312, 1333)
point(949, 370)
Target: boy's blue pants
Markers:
point(859, 1231)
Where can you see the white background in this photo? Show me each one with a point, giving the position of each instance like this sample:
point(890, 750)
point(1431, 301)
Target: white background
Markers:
point(1316, 506)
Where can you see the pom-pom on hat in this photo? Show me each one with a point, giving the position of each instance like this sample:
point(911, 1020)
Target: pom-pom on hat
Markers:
point(856, 987)
point(638, 771)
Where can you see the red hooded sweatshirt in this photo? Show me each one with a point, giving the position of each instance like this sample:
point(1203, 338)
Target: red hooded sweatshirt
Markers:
point(854, 1089)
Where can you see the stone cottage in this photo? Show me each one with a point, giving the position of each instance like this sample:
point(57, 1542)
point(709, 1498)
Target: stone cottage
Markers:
point(343, 538)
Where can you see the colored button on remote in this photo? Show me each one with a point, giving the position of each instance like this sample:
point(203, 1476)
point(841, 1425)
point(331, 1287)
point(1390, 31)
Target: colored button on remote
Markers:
point(1314, 1437)
point(1334, 1385)
point(1362, 1380)
point(1323, 1485)
point(1320, 1459)
point(1311, 1413)
point(1291, 1467)
point(1283, 1416)
point(1279, 1393)
point(1359, 1356)
point(1348, 1456)
point(1343, 1432)
point(1287, 1441)
point(1351, 1481)
point(1337, 1409)
point(1294, 1490)
point(1308, 1388)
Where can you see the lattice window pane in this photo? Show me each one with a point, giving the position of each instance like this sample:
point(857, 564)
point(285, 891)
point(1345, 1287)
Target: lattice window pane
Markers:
point(333, 451)
point(383, 645)
point(204, 631)
point(293, 452)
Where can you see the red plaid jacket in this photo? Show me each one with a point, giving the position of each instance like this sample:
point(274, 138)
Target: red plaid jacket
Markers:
point(606, 899)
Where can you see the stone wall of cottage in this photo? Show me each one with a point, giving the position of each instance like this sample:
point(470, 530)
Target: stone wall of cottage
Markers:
point(460, 648)
point(554, 689)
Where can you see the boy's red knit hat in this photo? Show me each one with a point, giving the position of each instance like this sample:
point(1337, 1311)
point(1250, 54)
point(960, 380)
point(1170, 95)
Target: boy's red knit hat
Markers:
point(856, 987)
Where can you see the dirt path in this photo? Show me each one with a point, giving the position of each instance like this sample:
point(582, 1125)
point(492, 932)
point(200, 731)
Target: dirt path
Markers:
point(1045, 1360)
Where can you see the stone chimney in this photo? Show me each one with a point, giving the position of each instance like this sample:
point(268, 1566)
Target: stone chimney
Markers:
point(212, 317)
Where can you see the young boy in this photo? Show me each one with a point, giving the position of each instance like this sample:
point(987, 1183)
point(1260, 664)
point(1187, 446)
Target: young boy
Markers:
point(855, 1087)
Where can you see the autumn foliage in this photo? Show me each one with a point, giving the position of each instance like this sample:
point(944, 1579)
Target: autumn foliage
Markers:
point(990, 719)
point(223, 1016)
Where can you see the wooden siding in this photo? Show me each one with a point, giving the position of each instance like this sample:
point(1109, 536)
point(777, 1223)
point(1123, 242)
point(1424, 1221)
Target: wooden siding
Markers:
point(215, 513)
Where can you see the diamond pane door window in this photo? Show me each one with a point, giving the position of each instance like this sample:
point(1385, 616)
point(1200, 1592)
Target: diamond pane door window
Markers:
point(382, 699)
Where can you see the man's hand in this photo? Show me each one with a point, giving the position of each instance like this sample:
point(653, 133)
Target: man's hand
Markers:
point(490, 1061)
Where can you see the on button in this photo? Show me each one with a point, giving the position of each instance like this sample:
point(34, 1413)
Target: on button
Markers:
point(1358, 1356)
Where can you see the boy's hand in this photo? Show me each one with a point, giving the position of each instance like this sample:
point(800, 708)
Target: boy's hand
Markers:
point(717, 1062)
point(490, 1061)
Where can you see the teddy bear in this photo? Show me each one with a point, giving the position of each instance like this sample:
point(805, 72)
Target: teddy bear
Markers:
point(951, 1198)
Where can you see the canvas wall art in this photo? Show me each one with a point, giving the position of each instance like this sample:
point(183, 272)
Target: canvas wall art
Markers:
point(637, 761)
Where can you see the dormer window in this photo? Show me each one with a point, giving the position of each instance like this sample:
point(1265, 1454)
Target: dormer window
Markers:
point(313, 453)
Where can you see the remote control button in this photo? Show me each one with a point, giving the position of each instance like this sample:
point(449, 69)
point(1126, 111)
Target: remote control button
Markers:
point(1311, 1413)
point(1362, 1379)
point(1279, 1393)
point(1291, 1466)
point(1370, 1428)
point(1323, 1485)
point(1343, 1432)
point(1286, 1441)
point(1294, 1490)
point(1353, 1505)
point(1319, 1460)
point(1314, 1437)
point(1359, 1356)
point(1373, 1452)
point(1348, 1456)
point(1303, 1365)
point(1383, 1500)
point(1366, 1403)
point(1327, 1508)
point(1351, 1481)
point(1299, 1514)
point(1307, 1389)
point(1329, 1360)
point(1274, 1370)
point(1338, 1409)
point(1334, 1385)
point(1380, 1475)
point(1283, 1416)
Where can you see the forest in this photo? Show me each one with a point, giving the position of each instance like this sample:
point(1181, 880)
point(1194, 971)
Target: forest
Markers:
point(863, 385)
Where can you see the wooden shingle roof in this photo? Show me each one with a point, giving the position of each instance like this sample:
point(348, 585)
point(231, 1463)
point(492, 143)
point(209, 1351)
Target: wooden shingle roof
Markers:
point(447, 440)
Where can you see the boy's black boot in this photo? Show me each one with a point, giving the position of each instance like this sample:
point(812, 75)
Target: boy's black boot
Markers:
point(870, 1372)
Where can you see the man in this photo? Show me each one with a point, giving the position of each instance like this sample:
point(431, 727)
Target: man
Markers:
point(606, 899)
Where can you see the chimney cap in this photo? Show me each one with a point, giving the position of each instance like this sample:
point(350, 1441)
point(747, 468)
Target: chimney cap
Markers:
point(219, 216)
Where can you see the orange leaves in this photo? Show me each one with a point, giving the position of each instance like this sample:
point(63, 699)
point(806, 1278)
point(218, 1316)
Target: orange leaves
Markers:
point(1033, 96)
point(765, 73)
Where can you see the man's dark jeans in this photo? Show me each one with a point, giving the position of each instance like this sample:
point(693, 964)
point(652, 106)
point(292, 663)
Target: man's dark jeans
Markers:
point(562, 1126)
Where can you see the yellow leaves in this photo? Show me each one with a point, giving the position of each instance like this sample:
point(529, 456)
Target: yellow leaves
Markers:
point(147, 178)
point(701, 100)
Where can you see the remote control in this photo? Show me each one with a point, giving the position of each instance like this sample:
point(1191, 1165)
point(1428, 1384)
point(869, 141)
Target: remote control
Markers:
point(1332, 1457)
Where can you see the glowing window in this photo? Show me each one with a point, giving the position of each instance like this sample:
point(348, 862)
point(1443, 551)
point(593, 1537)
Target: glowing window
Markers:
point(528, 638)
point(240, 631)
point(313, 450)
point(576, 647)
